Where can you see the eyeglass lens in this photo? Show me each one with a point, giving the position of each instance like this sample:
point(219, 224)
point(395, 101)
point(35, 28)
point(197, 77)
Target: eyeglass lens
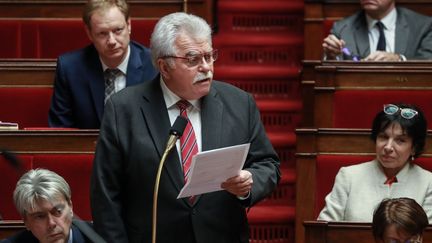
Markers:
point(406, 113)
point(209, 57)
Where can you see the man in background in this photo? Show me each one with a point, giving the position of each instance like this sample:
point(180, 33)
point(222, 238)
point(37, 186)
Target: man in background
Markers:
point(43, 199)
point(380, 32)
point(134, 133)
point(86, 78)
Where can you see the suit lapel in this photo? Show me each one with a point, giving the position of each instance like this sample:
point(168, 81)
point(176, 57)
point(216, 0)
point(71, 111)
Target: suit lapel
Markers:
point(402, 34)
point(96, 82)
point(211, 117)
point(156, 117)
point(361, 36)
point(134, 69)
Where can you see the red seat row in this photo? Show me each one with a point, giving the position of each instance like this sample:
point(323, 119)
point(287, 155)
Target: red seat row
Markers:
point(48, 38)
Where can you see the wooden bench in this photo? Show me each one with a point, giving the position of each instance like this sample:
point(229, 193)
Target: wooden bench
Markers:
point(342, 232)
point(349, 94)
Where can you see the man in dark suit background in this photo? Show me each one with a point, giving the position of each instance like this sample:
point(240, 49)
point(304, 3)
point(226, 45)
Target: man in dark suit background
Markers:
point(134, 133)
point(80, 88)
point(407, 34)
point(43, 199)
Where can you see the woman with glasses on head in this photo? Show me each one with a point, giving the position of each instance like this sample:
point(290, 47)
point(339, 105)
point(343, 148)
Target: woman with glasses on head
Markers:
point(399, 220)
point(399, 132)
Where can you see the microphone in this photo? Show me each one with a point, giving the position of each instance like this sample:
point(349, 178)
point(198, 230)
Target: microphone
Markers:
point(13, 160)
point(175, 132)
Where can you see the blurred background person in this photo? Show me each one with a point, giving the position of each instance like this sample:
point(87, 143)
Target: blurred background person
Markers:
point(86, 78)
point(43, 199)
point(380, 32)
point(399, 220)
point(399, 132)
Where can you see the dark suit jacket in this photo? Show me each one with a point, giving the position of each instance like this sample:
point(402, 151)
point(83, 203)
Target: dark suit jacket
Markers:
point(413, 34)
point(79, 88)
point(132, 140)
point(26, 236)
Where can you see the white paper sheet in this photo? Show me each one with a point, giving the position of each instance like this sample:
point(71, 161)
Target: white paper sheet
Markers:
point(210, 168)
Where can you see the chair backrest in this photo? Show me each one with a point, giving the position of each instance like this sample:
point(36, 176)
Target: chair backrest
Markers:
point(27, 106)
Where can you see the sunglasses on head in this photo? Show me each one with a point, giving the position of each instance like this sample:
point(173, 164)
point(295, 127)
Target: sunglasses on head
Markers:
point(406, 113)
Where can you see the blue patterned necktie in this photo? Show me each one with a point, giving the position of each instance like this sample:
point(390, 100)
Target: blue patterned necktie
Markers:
point(110, 76)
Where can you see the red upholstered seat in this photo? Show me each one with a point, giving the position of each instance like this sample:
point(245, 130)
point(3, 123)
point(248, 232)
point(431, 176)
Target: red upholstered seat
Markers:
point(327, 167)
point(76, 170)
point(357, 108)
point(49, 38)
point(11, 35)
point(9, 177)
point(26, 106)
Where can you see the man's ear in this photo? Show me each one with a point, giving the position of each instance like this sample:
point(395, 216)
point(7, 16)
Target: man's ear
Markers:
point(163, 67)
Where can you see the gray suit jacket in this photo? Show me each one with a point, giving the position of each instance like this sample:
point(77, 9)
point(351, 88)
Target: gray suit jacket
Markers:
point(133, 136)
point(413, 34)
point(358, 190)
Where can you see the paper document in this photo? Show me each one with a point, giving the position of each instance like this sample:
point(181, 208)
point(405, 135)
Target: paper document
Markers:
point(210, 168)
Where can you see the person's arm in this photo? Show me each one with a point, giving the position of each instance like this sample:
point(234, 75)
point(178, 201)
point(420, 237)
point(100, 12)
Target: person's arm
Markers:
point(424, 51)
point(60, 112)
point(335, 206)
point(427, 202)
point(262, 161)
point(106, 181)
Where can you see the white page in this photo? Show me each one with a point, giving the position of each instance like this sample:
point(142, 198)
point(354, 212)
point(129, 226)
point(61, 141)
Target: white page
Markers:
point(210, 168)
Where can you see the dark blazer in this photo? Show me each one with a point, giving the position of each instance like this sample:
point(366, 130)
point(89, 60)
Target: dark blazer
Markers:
point(132, 140)
point(413, 34)
point(26, 236)
point(79, 89)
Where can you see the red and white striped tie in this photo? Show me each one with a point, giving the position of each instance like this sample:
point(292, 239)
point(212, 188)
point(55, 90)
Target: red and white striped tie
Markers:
point(188, 143)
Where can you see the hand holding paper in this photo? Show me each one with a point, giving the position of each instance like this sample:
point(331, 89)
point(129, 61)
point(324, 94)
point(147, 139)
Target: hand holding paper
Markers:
point(211, 168)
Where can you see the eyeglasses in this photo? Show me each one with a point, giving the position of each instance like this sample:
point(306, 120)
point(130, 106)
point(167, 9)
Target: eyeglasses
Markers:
point(193, 60)
point(406, 113)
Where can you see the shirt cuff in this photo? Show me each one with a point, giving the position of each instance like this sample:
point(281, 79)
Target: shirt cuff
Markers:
point(244, 198)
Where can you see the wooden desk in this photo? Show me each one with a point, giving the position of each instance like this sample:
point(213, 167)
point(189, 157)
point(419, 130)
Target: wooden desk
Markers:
point(10, 227)
point(322, 80)
point(49, 141)
point(342, 232)
point(330, 141)
point(317, 12)
point(27, 72)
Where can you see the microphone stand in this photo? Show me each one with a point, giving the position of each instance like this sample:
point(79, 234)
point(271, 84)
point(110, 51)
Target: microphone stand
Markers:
point(176, 132)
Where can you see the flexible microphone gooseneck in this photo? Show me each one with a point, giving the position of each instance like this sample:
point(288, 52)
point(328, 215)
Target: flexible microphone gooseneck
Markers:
point(175, 132)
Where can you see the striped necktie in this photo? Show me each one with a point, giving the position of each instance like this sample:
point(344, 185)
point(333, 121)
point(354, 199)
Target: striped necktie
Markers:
point(188, 143)
point(110, 76)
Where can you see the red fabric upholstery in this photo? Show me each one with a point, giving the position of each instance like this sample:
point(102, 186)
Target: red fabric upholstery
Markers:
point(327, 25)
point(48, 38)
point(26, 106)
point(11, 35)
point(9, 178)
point(142, 29)
point(327, 167)
point(76, 170)
point(60, 36)
point(357, 108)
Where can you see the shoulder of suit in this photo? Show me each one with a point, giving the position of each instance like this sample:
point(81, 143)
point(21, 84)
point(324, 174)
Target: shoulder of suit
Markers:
point(227, 88)
point(412, 15)
point(76, 55)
